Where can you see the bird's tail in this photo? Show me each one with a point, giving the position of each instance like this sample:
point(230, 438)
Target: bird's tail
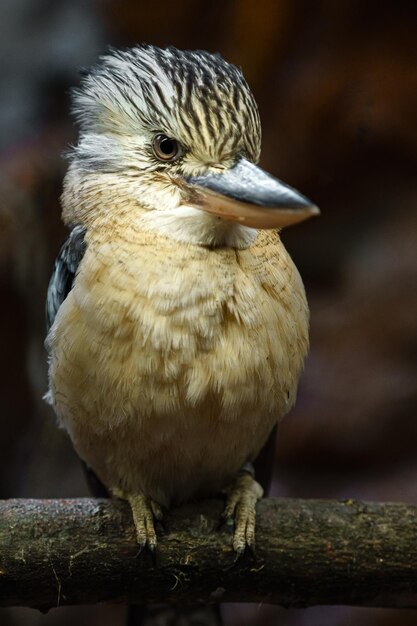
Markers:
point(174, 615)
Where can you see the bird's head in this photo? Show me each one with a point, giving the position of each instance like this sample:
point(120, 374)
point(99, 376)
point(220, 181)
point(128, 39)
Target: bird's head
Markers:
point(178, 134)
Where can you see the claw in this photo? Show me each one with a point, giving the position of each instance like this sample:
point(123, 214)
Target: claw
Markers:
point(143, 519)
point(241, 510)
point(145, 511)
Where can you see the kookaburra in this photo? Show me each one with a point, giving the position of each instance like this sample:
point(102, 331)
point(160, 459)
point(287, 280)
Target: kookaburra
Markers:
point(178, 322)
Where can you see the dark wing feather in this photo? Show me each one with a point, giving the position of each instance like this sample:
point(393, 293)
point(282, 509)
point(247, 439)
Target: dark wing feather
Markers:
point(60, 285)
point(63, 275)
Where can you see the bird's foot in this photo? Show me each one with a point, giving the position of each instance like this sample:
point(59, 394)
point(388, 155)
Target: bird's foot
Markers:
point(240, 510)
point(145, 511)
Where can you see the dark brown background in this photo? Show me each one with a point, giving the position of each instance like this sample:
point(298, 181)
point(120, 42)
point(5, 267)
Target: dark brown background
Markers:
point(337, 87)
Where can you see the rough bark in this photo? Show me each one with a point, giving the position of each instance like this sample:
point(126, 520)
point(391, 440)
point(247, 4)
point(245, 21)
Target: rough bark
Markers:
point(56, 552)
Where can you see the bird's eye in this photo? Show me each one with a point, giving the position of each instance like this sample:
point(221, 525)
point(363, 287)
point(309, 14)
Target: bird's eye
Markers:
point(164, 148)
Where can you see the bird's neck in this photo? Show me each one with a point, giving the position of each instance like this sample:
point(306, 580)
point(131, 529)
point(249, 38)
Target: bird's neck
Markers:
point(192, 226)
point(111, 202)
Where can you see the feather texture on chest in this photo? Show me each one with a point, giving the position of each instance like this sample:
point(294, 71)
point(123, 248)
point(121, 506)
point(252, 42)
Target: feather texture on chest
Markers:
point(175, 341)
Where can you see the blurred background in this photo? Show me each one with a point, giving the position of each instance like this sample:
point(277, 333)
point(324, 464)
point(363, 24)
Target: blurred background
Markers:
point(336, 84)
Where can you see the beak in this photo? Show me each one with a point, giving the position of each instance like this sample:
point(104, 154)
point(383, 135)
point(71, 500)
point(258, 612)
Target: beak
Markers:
point(248, 195)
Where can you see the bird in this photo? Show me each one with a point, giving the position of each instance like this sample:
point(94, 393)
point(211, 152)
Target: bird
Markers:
point(177, 321)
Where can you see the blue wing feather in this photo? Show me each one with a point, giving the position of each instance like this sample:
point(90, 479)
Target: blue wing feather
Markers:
point(64, 271)
point(60, 285)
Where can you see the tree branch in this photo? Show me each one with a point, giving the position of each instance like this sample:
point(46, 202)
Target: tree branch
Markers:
point(56, 552)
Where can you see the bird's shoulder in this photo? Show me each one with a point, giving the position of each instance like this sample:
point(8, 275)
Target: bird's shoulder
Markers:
point(63, 274)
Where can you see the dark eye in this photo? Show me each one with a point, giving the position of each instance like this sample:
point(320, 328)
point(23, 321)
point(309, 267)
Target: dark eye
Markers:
point(164, 148)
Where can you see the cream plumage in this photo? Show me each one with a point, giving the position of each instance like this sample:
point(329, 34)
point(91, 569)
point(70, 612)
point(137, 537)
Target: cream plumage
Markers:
point(178, 329)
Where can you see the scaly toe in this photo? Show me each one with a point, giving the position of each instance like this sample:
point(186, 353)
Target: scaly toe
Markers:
point(241, 506)
point(144, 512)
